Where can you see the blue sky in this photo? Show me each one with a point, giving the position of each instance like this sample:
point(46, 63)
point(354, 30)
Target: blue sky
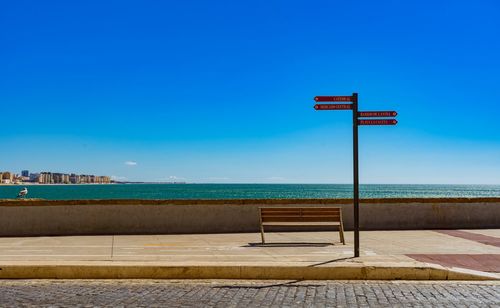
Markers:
point(221, 91)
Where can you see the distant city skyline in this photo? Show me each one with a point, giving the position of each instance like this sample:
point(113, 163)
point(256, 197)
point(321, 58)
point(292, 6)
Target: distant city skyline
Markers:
point(222, 92)
point(47, 177)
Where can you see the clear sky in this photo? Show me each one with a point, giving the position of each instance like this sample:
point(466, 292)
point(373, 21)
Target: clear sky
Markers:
point(221, 91)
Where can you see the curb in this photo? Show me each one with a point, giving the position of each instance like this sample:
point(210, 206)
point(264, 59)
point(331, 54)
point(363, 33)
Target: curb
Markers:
point(76, 271)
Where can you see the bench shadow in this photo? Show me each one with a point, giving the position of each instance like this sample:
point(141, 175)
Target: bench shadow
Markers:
point(288, 244)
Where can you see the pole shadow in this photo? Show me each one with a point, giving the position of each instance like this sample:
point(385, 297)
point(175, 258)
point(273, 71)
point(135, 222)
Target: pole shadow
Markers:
point(288, 283)
point(289, 244)
point(332, 261)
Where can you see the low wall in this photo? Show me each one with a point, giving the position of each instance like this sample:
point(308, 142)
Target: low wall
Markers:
point(91, 217)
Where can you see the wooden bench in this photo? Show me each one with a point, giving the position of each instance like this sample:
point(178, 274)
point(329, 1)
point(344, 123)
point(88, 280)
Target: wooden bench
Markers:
point(301, 216)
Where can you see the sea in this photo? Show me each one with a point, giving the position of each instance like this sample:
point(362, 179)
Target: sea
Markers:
point(246, 191)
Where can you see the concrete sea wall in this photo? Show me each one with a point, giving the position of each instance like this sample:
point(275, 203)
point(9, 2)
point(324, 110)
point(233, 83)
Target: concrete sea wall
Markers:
point(91, 217)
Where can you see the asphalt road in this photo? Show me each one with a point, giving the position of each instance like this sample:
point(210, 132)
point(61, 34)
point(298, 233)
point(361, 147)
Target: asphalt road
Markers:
point(166, 293)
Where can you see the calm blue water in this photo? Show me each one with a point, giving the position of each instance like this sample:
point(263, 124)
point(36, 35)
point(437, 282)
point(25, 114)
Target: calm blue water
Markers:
point(246, 191)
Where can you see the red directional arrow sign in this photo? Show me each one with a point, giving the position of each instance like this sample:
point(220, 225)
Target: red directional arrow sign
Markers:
point(333, 106)
point(377, 114)
point(334, 98)
point(377, 122)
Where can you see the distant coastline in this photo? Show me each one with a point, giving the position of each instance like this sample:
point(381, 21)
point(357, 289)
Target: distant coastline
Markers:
point(121, 182)
point(69, 184)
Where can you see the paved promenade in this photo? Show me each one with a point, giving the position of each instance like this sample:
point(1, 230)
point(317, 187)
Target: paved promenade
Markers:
point(447, 254)
point(151, 293)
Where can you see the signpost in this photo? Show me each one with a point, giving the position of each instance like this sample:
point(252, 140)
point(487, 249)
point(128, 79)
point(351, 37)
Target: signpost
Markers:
point(356, 121)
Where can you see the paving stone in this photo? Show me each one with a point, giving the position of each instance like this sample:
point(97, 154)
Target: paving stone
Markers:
point(150, 293)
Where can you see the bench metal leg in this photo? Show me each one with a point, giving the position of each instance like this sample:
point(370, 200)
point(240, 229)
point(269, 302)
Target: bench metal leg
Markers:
point(262, 234)
point(341, 232)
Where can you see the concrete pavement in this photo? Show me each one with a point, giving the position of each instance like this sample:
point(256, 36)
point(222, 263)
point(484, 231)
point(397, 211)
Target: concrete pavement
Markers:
point(422, 255)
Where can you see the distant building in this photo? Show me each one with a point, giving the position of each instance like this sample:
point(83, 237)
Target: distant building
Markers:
point(34, 177)
point(102, 179)
point(65, 178)
point(25, 173)
point(17, 179)
point(83, 179)
point(74, 178)
point(7, 177)
point(60, 178)
point(45, 178)
point(56, 178)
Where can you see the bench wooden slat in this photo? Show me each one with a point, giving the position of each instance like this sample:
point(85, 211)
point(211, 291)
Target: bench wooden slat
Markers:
point(298, 210)
point(269, 209)
point(334, 215)
point(280, 213)
point(311, 223)
point(282, 209)
point(303, 215)
point(320, 211)
point(300, 219)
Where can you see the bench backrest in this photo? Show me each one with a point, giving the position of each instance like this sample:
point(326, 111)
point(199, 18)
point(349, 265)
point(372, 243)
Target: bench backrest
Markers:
point(300, 214)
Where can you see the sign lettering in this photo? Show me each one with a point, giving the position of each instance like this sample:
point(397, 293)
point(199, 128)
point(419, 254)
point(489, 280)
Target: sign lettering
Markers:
point(333, 99)
point(377, 114)
point(333, 106)
point(377, 122)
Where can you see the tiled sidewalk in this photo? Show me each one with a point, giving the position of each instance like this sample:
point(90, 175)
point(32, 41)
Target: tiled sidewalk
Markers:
point(469, 249)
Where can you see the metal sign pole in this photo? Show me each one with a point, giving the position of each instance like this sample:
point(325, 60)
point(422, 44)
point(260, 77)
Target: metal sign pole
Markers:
point(355, 171)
